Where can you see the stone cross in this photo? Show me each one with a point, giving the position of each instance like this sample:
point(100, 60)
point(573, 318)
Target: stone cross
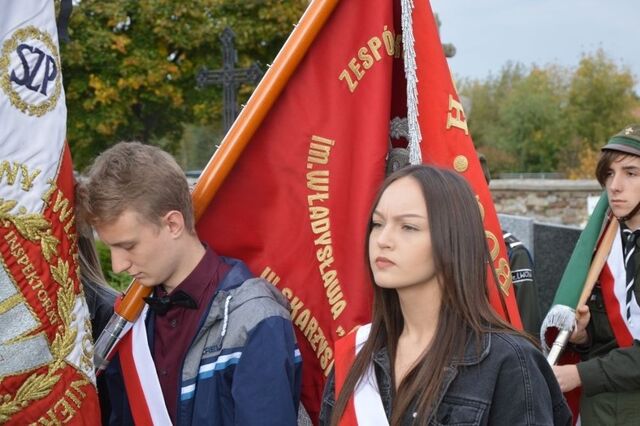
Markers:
point(229, 77)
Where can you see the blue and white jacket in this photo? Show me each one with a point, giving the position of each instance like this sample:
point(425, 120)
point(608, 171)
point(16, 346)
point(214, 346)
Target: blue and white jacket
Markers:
point(242, 368)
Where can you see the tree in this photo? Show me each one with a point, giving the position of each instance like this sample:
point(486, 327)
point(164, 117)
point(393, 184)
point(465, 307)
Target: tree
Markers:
point(550, 118)
point(532, 120)
point(484, 122)
point(601, 98)
point(131, 64)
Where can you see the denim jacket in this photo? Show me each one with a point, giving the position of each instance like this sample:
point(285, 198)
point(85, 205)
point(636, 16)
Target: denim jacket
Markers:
point(503, 381)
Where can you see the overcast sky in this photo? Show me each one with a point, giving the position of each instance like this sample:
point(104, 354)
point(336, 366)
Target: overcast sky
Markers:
point(488, 33)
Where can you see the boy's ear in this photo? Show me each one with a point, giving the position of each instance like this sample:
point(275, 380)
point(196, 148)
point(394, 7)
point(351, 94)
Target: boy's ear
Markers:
point(174, 222)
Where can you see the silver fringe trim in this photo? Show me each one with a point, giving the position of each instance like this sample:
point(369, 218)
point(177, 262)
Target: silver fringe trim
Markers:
point(561, 317)
point(415, 137)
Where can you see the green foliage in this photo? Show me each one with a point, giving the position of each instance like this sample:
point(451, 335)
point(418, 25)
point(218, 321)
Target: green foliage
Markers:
point(117, 281)
point(601, 99)
point(533, 115)
point(130, 68)
point(541, 119)
point(197, 145)
point(484, 116)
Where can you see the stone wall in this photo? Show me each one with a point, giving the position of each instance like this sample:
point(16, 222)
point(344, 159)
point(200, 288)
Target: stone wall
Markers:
point(560, 201)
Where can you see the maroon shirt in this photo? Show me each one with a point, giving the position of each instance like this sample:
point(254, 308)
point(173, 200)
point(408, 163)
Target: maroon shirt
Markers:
point(175, 330)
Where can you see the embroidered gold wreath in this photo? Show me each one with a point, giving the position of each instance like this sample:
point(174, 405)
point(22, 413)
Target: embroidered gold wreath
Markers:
point(32, 226)
point(36, 228)
point(29, 33)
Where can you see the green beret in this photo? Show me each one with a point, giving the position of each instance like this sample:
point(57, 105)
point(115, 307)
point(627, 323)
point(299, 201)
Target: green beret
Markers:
point(627, 141)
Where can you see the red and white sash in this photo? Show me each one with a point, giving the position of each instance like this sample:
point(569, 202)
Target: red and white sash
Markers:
point(140, 377)
point(365, 406)
point(613, 283)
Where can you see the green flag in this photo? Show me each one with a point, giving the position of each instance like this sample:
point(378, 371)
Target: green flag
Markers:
point(562, 312)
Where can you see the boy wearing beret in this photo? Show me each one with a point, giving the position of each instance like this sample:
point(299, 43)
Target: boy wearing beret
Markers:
point(608, 326)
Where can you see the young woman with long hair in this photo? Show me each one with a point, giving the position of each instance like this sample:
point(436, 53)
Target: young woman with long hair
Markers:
point(436, 352)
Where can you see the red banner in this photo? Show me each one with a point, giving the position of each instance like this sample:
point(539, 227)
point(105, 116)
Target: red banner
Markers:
point(295, 207)
point(46, 352)
point(446, 142)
